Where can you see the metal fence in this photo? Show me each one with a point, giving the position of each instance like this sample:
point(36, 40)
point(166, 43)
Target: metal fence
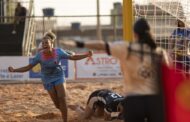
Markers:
point(7, 9)
point(66, 29)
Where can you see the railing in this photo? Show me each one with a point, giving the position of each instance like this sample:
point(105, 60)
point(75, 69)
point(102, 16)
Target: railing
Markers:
point(64, 29)
point(29, 31)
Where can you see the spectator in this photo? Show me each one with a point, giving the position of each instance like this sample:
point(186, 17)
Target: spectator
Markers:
point(20, 14)
point(181, 30)
point(180, 36)
point(179, 47)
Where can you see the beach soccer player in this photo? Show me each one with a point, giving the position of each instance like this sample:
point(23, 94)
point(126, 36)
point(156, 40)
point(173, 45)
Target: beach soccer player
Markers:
point(102, 103)
point(52, 74)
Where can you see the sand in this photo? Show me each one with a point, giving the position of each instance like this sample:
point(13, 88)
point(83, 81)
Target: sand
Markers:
point(31, 103)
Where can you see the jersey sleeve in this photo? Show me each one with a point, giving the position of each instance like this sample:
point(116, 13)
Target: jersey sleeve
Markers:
point(118, 49)
point(63, 54)
point(35, 60)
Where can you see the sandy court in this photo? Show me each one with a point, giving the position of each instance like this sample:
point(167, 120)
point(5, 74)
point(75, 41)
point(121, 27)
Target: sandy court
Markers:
point(31, 103)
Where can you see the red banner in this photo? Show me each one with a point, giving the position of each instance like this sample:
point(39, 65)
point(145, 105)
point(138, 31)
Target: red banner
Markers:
point(177, 95)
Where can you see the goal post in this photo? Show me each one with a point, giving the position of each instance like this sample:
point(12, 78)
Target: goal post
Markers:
point(127, 20)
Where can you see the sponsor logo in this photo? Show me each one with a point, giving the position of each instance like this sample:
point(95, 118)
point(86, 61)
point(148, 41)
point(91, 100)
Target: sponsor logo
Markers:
point(101, 61)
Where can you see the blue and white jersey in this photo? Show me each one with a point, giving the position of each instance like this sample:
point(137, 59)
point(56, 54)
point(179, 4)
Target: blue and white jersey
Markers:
point(182, 33)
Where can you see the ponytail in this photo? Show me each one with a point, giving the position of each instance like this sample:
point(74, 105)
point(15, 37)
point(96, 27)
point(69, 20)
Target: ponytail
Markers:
point(142, 29)
point(146, 38)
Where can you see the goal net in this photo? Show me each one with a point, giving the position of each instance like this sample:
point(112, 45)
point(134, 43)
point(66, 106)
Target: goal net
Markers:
point(169, 20)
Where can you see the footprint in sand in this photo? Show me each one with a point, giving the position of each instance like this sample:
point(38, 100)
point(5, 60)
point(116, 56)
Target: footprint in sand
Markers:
point(47, 116)
point(81, 87)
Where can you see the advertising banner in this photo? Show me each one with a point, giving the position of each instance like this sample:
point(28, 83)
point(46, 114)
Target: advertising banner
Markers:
point(98, 66)
point(15, 61)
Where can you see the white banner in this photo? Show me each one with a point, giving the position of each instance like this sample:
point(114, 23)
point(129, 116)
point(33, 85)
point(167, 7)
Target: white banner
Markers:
point(98, 66)
point(34, 74)
point(71, 70)
point(15, 61)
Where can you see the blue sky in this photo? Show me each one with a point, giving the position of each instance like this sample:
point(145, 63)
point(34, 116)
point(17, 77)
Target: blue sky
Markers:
point(76, 7)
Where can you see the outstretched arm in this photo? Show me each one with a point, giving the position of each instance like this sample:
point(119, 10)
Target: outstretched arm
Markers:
point(98, 45)
point(113, 49)
point(22, 69)
point(80, 56)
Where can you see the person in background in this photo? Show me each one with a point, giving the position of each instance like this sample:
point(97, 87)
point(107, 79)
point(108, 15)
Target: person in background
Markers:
point(179, 46)
point(181, 30)
point(140, 61)
point(180, 36)
point(52, 73)
point(20, 16)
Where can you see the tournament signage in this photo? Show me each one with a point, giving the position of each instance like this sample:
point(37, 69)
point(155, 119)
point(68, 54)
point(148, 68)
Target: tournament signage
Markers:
point(5, 62)
point(98, 66)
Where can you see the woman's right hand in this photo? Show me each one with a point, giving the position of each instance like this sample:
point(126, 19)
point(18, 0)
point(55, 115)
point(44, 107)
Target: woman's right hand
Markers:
point(11, 69)
point(90, 53)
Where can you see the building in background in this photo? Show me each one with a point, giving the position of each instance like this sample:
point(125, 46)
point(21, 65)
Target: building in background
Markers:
point(43, 25)
point(86, 33)
point(116, 19)
point(162, 23)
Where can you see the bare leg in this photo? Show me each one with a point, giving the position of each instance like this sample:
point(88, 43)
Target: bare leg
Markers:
point(61, 98)
point(53, 96)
